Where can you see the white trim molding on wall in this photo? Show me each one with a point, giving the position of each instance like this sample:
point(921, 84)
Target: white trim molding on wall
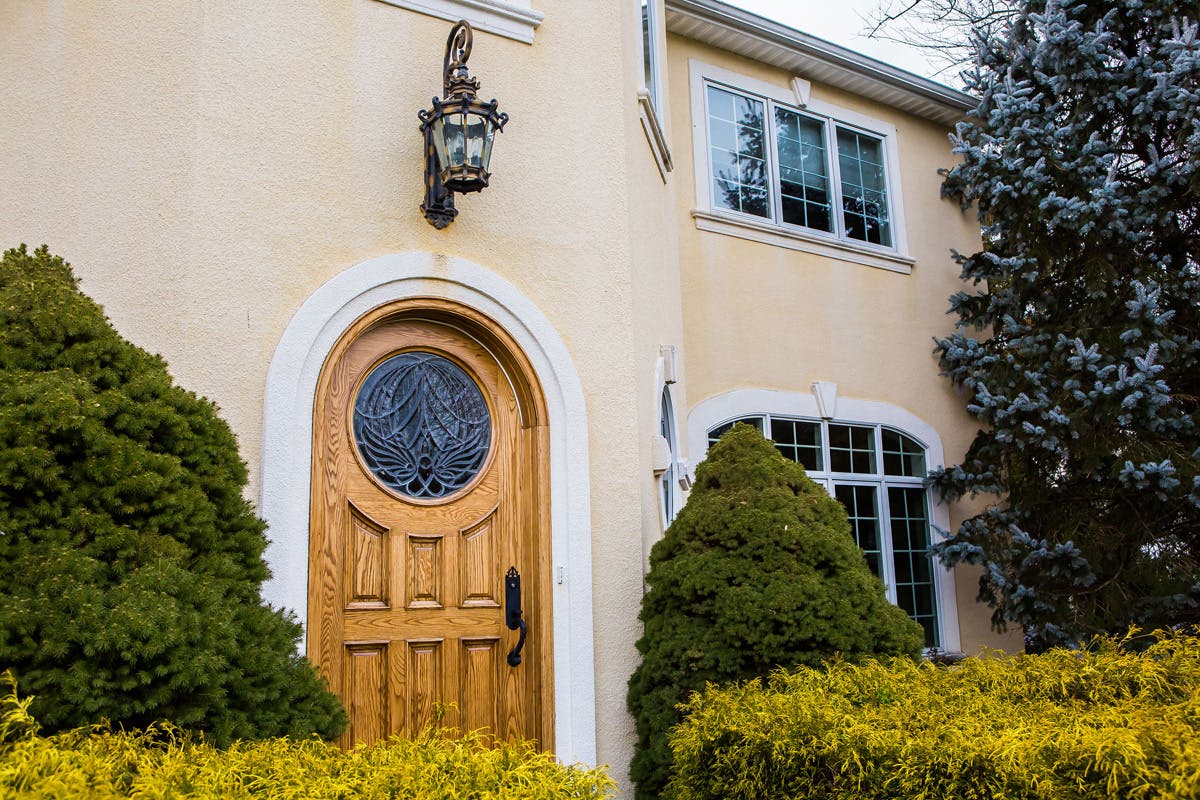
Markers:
point(514, 20)
point(722, 408)
point(287, 450)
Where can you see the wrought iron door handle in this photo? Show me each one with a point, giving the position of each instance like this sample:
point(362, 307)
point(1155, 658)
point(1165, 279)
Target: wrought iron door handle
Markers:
point(513, 613)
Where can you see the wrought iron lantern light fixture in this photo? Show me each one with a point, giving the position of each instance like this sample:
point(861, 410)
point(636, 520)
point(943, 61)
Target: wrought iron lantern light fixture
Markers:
point(459, 131)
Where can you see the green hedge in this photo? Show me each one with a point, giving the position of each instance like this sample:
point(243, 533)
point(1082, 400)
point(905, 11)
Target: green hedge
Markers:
point(164, 762)
point(1102, 723)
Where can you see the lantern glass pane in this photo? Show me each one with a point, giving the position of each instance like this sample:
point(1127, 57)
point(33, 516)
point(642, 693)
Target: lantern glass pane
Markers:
point(455, 146)
point(487, 146)
point(439, 140)
point(476, 135)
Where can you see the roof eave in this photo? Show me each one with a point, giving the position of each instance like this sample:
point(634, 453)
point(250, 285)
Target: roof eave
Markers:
point(715, 23)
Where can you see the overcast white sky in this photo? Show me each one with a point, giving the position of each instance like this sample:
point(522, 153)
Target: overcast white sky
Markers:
point(843, 22)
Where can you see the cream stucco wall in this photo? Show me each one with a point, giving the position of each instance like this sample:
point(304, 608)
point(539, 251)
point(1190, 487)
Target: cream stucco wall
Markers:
point(234, 156)
point(762, 316)
point(207, 167)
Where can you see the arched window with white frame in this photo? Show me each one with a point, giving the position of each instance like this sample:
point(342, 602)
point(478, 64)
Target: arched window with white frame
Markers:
point(873, 458)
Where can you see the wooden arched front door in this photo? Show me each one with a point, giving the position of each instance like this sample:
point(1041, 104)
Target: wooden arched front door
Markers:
point(429, 485)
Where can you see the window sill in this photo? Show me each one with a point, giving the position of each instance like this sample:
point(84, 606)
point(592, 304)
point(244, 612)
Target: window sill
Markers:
point(766, 233)
point(514, 20)
point(654, 134)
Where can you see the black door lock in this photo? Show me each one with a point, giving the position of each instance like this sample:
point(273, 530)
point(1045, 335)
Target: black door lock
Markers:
point(513, 613)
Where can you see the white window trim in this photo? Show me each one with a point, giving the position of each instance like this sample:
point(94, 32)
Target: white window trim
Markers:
point(513, 20)
point(650, 98)
point(710, 218)
point(655, 18)
point(756, 402)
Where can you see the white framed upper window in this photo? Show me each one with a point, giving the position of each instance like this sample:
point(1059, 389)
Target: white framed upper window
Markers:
point(650, 58)
point(650, 95)
point(872, 457)
point(809, 172)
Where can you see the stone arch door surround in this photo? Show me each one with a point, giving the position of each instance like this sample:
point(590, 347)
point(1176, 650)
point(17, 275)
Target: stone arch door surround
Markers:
point(461, 296)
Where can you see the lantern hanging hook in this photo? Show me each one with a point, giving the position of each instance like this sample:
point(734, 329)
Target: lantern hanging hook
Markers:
point(458, 50)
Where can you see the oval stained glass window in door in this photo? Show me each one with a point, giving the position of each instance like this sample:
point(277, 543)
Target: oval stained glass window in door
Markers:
point(421, 425)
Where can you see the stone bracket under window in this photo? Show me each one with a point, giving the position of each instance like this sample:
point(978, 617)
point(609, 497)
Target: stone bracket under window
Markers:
point(684, 470)
point(660, 454)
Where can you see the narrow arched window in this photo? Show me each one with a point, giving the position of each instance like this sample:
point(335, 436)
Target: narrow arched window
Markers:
point(669, 475)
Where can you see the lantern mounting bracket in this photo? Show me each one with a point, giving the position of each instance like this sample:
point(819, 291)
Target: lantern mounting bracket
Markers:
point(458, 132)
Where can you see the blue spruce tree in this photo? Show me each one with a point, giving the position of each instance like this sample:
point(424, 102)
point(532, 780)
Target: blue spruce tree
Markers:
point(1078, 344)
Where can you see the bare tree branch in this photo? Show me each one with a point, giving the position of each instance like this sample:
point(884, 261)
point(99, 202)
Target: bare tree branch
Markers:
point(944, 29)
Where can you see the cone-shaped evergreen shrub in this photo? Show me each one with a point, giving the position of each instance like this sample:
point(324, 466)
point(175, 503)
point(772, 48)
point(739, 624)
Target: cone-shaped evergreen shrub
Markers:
point(130, 563)
point(759, 570)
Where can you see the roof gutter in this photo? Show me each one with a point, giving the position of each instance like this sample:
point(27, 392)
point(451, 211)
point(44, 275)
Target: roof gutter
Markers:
point(762, 39)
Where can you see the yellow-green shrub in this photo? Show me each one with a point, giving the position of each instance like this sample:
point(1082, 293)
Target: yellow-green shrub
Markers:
point(164, 762)
point(1102, 723)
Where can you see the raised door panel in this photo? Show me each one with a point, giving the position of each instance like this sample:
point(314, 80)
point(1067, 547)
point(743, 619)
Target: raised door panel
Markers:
point(423, 693)
point(479, 665)
point(426, 572)
point(479, 565)
point(366, 692)
point(366, 561)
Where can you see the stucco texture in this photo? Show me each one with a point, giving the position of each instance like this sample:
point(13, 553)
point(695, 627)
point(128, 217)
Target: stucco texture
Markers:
point(207, 166)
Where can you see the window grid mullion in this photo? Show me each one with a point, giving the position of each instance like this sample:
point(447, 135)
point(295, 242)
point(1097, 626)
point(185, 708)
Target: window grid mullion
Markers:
point(877, 446)
point(938, 604)
point(835, 178)
point(887, 569)
point(708, 145)
point(652, 56)
point(889, 194)
point(825, 462)
point(774, 179)
point(887, 551)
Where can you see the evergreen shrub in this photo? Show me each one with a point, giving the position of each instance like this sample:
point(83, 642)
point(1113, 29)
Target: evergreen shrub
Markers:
point(163, 762)
point(130, 562)
point(758, 570)
point(1104, 722)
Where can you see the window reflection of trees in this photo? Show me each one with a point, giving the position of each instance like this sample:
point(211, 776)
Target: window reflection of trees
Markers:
point(746, 188)
point(810, 189)
point(864, 220)
point(803, 174)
